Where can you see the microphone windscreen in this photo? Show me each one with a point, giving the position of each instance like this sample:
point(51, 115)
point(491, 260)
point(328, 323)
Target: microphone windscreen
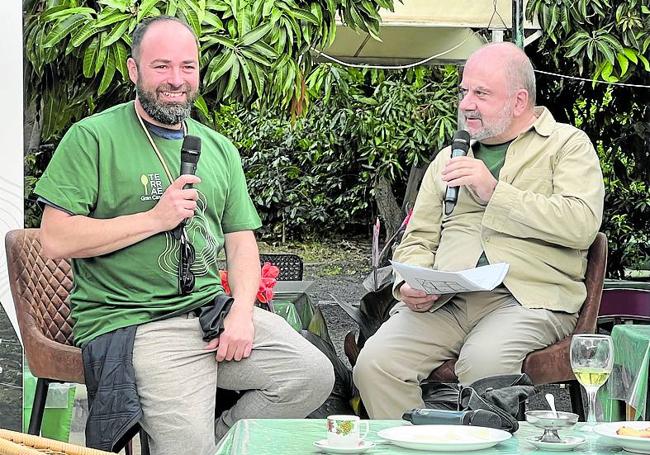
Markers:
point(461, 140)
point(191, 149)
point(485, 418)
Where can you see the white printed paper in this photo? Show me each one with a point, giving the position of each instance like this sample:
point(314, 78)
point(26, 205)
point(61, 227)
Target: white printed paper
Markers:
point(431, 281)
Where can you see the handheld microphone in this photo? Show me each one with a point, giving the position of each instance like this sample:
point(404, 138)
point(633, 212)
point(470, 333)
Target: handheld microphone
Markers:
point(478, 418)
point(459, 147)
point(190, 154)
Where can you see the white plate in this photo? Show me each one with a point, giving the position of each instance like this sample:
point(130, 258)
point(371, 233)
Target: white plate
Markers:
point(444, 438)
point(325, 447)
point(629, 443)
point(567, 443)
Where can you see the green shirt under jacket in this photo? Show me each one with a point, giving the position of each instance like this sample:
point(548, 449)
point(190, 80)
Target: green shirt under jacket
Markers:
point(543, 216)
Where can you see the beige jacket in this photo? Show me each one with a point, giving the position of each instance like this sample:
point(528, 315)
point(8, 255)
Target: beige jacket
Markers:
point(545, 212)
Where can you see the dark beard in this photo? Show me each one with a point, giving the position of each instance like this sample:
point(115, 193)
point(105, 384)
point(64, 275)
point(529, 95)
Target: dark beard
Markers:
point(167, 114)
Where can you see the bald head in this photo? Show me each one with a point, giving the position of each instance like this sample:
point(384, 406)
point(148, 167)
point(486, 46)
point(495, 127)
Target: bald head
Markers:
point(150, 22)
point(514, 63)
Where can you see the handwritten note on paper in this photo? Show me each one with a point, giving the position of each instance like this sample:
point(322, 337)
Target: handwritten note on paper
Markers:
point(431, 281)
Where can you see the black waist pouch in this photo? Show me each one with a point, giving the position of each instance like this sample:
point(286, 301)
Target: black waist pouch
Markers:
point(501, 394)
point(212, 316)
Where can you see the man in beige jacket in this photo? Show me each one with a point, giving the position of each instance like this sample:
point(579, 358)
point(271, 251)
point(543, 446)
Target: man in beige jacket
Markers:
point(531, 195)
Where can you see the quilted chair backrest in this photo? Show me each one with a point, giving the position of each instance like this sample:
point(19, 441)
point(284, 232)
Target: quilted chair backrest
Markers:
point(40, 287)
point(290, 265)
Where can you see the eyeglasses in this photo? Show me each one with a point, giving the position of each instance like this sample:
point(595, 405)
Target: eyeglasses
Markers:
point(188, 255)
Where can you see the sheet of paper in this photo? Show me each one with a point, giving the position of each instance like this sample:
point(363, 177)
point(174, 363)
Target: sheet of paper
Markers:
point(431, 281)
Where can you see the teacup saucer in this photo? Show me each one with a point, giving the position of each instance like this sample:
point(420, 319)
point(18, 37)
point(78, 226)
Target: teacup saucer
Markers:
point(325, 447)
point(567, 443)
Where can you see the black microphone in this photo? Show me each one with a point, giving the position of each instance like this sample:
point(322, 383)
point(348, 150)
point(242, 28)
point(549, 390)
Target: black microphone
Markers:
point(478, 418)
point(459, 147)
point(190, 154)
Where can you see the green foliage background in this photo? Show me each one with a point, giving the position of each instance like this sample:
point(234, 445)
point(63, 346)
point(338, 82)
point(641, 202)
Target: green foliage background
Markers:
point(315, 139)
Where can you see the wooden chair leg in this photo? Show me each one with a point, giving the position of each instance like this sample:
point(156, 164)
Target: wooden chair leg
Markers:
point(38, 406)
point(577, 405)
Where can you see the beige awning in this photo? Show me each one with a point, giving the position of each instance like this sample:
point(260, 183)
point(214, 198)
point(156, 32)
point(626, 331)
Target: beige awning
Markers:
point(419, 29)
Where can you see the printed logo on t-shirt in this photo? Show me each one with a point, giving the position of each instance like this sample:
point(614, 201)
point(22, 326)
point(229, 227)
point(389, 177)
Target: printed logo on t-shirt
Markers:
point(204, 242)
point(153, 189)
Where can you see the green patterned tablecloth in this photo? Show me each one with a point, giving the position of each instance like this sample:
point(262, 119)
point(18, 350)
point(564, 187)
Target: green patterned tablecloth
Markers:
point(296, 437)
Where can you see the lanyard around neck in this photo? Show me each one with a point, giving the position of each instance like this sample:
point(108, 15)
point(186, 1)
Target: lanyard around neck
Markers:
point(153, 144)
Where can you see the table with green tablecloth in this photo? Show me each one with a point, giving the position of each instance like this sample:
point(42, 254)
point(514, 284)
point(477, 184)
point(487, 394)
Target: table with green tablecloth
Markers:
point(629, 379)
point(296, 437)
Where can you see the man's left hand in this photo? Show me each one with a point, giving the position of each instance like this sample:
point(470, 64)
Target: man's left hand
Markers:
point(236, 340)
point(466, 171)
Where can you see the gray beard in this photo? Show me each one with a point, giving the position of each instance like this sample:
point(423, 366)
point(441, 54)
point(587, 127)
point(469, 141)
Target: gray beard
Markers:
point(167, 114)
point(492, 130)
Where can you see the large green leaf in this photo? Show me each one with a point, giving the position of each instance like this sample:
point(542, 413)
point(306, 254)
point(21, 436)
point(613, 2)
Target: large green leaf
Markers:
point(190, 16)
point(85, 32)
point(145, 8)
point(219, 66)
point(101, 56)
point(257, 74)
point(246, 82)
point(116, 33)
point(90, 57)
point(264, 49)
point(110, 17)
point(60, 12)
point(172, 7)
point(63, 28)
point(197, 6)
point(304, 15)
point(255, 35)
point(213, 20)
point(121, 5)
point(249, 54)
point(202, 106)
point(120, 55)
point(109, 73)
point(218, 41)
point(232, 80)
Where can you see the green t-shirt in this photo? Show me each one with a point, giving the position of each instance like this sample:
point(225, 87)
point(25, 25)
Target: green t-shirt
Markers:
point(105, 167)
point(493, 156)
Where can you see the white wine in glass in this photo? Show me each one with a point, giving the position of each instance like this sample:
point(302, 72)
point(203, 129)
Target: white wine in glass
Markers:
point(592, 359)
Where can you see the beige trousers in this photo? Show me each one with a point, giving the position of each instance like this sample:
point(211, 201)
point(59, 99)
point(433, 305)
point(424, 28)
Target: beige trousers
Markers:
point(284, 377)
point(489, 332)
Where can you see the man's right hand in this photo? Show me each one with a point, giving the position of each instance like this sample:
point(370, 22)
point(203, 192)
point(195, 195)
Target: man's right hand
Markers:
point(176, 203)
point(417, 300)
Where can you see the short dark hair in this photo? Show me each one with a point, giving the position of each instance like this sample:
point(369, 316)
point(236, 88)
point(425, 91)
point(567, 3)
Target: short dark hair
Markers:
point(143, 26)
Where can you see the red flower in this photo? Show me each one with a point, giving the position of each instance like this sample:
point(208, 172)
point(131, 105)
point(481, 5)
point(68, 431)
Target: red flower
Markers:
point(267, 282)
point(223, 274)
point(269, 275)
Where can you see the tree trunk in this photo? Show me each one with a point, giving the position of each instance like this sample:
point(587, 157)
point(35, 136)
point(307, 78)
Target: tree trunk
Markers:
point(389, 211)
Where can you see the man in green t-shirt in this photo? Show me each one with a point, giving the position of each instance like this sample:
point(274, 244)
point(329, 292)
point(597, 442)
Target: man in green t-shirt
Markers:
point(530, 195)
point(113, 201)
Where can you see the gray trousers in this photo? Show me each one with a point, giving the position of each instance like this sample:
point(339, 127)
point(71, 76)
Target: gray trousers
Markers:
point(284, 377)
point(489, 332)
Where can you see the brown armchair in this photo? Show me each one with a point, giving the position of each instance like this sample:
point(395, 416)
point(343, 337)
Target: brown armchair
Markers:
point(551, 364)
point(40, 288)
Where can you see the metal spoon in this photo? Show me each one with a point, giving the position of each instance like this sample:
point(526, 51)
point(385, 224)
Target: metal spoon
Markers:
point(551, 401)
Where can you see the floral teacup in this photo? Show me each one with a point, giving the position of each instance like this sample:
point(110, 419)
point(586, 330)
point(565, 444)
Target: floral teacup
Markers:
point(345, 431)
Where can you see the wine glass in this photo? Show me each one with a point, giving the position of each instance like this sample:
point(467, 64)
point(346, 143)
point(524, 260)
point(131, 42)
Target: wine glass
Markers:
point(592, 359)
